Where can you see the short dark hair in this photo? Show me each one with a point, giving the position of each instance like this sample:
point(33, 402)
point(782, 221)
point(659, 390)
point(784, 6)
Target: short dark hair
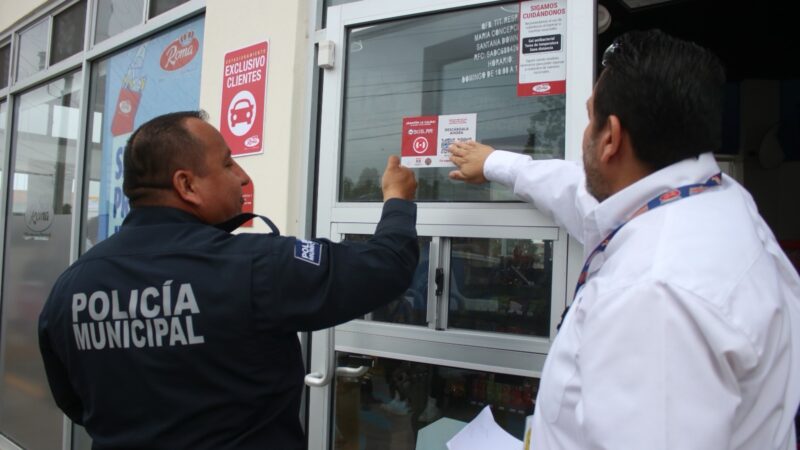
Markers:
point(156, 150)
point(667, 93)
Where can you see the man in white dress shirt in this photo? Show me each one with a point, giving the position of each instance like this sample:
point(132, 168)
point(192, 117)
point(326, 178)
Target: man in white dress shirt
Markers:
point(684, 332)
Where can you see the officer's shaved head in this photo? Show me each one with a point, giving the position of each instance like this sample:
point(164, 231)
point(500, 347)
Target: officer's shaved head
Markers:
point(156, 150)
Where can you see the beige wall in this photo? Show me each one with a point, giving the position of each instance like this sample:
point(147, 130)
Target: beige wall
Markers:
point(13, 10)
point(233, 25)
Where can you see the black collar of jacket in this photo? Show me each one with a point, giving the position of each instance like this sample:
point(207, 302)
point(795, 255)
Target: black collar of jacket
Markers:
point(237, 221)
point(152, 215)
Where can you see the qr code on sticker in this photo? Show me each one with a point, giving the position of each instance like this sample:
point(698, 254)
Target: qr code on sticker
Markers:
point(445, 144)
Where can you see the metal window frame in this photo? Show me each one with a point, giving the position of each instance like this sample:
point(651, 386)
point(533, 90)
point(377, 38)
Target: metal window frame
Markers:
point(6, 161)
point(8, 168)
point(53, 15)
point(93, 29)
point(82, 62)
point(331, 213)
point(440, 258)
point(450, 354)
point(91, 51)
point(18, 41)
point(5, 41)
point(7, 444)
point(580, 72)
point(36, 19)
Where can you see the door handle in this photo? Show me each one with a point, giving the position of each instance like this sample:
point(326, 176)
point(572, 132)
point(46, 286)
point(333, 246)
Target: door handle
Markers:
point(435, 279)
point(322, 379)
point(317, 379)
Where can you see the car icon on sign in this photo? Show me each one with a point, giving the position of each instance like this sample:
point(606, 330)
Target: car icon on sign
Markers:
point(242, 112)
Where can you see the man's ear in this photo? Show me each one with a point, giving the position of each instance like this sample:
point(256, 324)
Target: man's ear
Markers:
point(183, 181)
point(610, 139)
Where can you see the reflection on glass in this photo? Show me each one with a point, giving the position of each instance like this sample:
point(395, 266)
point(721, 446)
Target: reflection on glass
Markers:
point(5, 65)
point(501, 285)
point(448, 63)
point(115, 16)
point(97, 166)
point(37, 241)
point(161, 6)
point(32, 50)
point(388, 406)
point(68, 28)
point(127, 89)
point(410, 308)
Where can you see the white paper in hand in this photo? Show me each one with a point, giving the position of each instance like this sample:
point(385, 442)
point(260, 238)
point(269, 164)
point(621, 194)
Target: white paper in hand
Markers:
point(484, 433)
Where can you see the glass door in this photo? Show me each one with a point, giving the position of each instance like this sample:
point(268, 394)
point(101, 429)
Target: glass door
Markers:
point(475, 326)
point(44, 140)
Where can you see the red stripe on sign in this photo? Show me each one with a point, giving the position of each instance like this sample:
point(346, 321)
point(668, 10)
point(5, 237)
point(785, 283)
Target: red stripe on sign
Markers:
point(541, 88)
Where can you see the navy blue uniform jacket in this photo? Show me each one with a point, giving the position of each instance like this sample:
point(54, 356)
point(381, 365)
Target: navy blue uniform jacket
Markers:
point(175, 334)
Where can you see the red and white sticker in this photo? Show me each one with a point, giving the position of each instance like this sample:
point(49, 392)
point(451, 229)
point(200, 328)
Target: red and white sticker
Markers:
point(179, 52)
point(542, 48)
point(244, 86)
point(426, 138)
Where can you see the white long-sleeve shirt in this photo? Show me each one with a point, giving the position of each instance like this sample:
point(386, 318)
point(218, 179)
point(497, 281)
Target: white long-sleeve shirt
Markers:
point(687, 332)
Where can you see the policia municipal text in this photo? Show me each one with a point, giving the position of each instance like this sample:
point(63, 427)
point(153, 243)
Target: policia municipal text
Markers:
point(174, 333)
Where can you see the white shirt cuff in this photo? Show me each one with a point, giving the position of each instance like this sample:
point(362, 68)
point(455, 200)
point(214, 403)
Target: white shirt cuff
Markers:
point(501, 166)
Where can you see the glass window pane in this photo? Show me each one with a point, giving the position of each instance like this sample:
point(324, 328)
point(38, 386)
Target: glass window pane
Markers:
point(115, 16)
point(32, 50)
point(128, 89)
point(3, 118)
point(501, 285)
point(462, 62)
point(44, 143)
point(338, 2)
point(411, 308)
point(388, 406)
point(68, 32)
point(161, 6)
point(5, 65)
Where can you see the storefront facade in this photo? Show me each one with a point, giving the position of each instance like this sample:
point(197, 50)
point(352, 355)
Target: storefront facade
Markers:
point(316, 95)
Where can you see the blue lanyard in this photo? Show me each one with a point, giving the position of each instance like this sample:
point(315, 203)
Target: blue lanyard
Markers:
point(670, 196)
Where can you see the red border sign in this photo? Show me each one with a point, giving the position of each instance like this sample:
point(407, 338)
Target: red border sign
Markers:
point(244, 86)
point(419, 136)
point(541, 56)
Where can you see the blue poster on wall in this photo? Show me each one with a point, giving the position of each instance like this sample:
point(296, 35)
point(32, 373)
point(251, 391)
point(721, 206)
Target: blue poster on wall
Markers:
point(158, 76)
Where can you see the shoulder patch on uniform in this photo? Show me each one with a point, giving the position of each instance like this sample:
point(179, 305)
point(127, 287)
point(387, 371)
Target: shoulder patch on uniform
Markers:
point(308, 251)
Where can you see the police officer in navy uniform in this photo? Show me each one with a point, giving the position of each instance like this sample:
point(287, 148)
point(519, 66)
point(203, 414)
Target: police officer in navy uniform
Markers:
point(176, 334)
